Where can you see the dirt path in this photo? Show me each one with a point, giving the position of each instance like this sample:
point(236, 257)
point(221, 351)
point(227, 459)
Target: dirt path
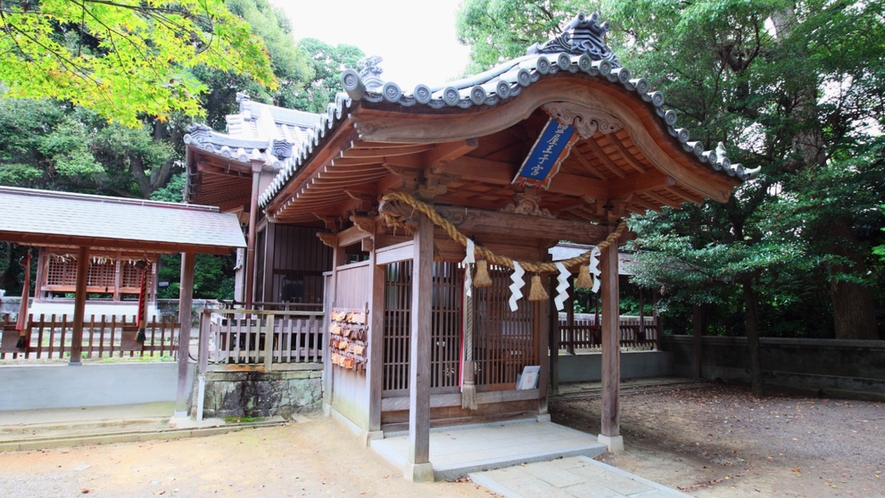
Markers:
point(318, 457)
point(720, 442)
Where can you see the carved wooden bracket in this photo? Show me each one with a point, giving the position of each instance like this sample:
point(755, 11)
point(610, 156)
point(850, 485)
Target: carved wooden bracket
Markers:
point(585, 120)
point(329, 239)
point(364, 223)
point(527, 203)
point(399, 216)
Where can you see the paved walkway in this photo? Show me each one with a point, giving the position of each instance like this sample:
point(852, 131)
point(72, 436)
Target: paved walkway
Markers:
point(458, 451)
point(570, 477)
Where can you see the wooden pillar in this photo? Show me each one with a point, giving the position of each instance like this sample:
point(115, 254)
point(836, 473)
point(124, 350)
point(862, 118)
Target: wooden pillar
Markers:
point(418, 467)
point(543, 313)
point(611, 350)
point(79, 305)
point(374, 370)
point(250, 244)
point(185, 303)
point(338, 258)
point(642, 315)
point(697, 320)
point(555, 335)
point(267, 294)
point(570, 317)
point(42, 258)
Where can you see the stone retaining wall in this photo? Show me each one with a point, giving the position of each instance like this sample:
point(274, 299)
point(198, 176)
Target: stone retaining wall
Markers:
point(818, 364)
point(252, 392)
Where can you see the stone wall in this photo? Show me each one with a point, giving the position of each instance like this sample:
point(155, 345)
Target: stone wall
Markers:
point(817, 364)
point(252, 392)
point(634, 365)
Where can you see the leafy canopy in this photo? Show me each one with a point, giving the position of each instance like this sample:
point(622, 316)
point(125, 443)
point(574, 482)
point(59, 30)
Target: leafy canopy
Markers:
point(123, 58)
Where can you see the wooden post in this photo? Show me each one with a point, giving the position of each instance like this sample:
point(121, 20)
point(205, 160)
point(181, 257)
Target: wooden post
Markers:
point(79, 305)
point(267, 294)
point(42, 258)
point(641, 316)
point(185, 302)
point(543, 313)
point(418, 467)
point(697, 320)
point(555, 335)
point(250, 244)
point(375, 360)
point(570, 318)
point(656, 318)
point(611, 351)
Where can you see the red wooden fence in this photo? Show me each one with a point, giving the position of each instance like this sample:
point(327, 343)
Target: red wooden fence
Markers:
point(103, 337)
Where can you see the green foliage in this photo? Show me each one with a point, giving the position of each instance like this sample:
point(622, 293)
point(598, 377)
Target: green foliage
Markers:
point(328, 63)
point(124, 58)
point(289, 63)
point(213, 276)
point(497, 30)
point(796, 89)
point(44, 144)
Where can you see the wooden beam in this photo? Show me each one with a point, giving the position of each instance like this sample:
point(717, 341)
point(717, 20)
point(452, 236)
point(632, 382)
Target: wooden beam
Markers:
point(79, 304)
point(501, 173)
point(663, 201)
point(419, 361)
point(394, 253)
point(639, 183)
point(611, 349)
point(603, 157)
point(578, 156)
point(351, 236)
point(185, 302)
point(626, 153)
point(403, 150)
point(684, 196)
point(477, 221)
point(448, 151)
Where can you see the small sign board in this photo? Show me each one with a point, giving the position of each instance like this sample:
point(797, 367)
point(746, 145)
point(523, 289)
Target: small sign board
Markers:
point(552, 147)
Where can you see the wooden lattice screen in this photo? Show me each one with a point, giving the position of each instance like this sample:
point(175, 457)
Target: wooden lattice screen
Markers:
point(61, 274)
point(504, 340)
point(446, 328)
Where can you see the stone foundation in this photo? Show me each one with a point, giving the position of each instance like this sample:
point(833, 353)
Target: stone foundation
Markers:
point(234, 391)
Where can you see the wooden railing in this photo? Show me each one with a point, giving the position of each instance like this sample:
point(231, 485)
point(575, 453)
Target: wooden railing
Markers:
point(103, 337)
point(584, 335)
point(256, 337)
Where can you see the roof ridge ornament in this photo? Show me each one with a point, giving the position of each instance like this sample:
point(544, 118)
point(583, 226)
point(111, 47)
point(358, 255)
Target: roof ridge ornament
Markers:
point(581, 36)
point(370, 72)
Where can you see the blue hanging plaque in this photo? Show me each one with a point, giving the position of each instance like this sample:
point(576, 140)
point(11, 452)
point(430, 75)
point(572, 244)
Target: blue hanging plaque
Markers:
point(543, 161)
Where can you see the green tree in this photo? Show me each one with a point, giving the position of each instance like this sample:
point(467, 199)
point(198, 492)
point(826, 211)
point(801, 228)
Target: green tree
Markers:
point(327, 62)
point(289, 62)
point(498, 30)
point(123, 58)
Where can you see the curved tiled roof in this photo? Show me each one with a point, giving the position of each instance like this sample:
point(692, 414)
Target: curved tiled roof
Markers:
point(579, 50)
point(257, 132)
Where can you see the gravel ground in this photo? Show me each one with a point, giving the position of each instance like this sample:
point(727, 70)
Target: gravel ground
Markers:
point(719, 441)
point(318, 457)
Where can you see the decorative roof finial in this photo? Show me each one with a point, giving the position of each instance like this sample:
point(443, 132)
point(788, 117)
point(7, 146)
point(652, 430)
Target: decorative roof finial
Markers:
point(582, 36)
point(370, 72)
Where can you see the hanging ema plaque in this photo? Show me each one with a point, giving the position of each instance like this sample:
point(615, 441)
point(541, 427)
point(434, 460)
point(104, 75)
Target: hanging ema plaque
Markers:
point(542, 163)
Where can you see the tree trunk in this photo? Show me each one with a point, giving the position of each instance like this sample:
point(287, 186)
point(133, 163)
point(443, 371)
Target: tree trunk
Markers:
point(854, 312)
point(751, 303)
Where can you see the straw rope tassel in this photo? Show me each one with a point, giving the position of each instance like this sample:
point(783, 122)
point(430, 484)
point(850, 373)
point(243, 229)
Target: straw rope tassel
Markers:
point(537, 291)
point(482, 278)
point(468, 386)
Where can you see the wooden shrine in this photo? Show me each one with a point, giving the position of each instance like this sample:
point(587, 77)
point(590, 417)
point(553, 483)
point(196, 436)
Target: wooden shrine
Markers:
point(440, 204)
